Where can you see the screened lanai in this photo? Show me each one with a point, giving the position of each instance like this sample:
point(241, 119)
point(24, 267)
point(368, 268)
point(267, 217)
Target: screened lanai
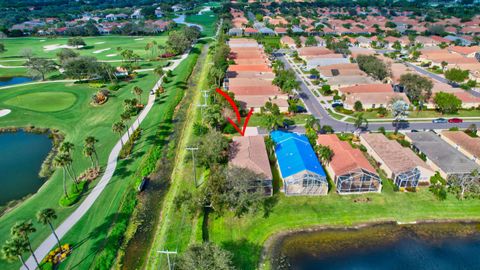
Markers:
point(358, 181)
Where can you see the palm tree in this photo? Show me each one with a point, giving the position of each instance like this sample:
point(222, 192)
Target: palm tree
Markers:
point(119, 127)
point(273, 121)
point(125, 116)
point(325, 153)
point(360, 120)
point(88, 152)
point(90, 142)
point(45, 217)
point(13, 249)
point(159, 71)
point(312, 122)
point(22, 230)
point(59, 162)
point(138, 92)
point(67, 147)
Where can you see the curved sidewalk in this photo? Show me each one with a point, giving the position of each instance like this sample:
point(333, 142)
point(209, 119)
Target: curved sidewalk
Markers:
point(49, 243)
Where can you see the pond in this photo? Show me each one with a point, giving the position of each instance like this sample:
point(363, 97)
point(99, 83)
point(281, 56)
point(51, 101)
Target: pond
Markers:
point(387, 246)
point(4, 81)
point(21, 157)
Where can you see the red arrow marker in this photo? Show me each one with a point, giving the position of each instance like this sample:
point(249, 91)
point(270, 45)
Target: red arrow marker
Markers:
point(232, 103)
point(237, 112)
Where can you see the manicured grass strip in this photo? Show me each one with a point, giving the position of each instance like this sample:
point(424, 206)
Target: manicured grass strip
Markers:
point(43, 101)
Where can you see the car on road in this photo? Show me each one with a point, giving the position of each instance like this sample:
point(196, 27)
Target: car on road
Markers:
point(439, 120)
point(455, 120)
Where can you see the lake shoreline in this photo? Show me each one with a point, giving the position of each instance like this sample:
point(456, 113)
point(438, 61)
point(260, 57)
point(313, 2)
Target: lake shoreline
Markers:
point(273, 244)
point(46, 169)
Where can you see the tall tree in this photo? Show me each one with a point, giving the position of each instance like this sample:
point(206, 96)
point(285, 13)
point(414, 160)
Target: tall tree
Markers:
point(399, 111)
point(119, 127)
point(205, 256)
point(373, 66)
point(159, 71)
point(45, 217)
point(360, 121)
point(417, 87)
point(14, 248)
point(456, 75)
point(138, 92)
point(40, 66)
point(59, 162)
point(463, 184)
point(447, 102)
point(22, 230)
point(90, 142)
point(313, 123)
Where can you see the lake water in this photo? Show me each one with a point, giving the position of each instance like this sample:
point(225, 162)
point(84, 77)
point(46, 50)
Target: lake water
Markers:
point(4, 81)
point(21, 156)
point(440, 246)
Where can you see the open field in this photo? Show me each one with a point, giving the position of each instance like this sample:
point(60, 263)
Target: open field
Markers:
point(207, 20)
point(101, 47)
point(77, 121)
point(43, 101)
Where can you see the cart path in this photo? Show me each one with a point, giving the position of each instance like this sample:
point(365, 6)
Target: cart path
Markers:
point(50, 243)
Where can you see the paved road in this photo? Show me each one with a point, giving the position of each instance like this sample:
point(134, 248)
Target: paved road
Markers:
point(435, 76)
point(71, 220)
point(320, 112)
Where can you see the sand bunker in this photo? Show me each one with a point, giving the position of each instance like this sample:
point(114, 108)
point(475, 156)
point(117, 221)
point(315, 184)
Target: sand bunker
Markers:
point(102, 50)
point(139, 39)
point(100, 42)
point(112, 55)
point(58, 46)
point(4, 112)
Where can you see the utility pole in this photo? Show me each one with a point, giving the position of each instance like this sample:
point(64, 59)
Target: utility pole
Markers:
point(205, 98)
point(170, 267)
point(193, 149)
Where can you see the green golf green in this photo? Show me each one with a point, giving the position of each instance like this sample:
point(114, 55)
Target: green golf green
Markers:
point(43, 101)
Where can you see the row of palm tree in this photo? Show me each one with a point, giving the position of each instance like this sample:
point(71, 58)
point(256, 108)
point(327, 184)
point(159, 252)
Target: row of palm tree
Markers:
point(128, 106)
point(64, 160)
point(20, 243)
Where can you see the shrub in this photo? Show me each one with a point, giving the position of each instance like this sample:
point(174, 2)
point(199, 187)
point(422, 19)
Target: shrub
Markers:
point(199, 129)
point(382, 130)
point(114, 87)
point(96, 85)
point(404, 143)
point(128, 146)
point(229, 129)
point(73, 195)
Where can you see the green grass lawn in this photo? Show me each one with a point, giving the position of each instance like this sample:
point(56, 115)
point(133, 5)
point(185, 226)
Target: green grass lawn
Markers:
point(77, 121)
point(259, 120)
point(245, 237)
point(88, 235)
point(43, 101)
point(206, 20)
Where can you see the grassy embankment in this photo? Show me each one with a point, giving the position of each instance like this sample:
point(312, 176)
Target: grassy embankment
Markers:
point(177, 227)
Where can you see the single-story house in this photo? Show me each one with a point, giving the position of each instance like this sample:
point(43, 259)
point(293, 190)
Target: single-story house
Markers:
point(464, 143)
point(399, 163)
point(373, 100)
point(440, 155)
point(250, 152)
point(349, 169)
point(300, 169)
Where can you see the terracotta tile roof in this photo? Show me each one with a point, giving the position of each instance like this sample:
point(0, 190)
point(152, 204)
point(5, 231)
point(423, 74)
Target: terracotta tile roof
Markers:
point(313, 51)
point(251, 75)
point(251, 30)
point(378, 99)
point(255, 90)
point(247, 101)
point(464, 50)
point(345, 158)
point(367, 88)
point(250, 152)
point(248, 82)
point(253, 68)
point(399, 159)
point(460, 138)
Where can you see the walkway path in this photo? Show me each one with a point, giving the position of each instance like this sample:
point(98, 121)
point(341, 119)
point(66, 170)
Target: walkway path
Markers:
point(71, 220)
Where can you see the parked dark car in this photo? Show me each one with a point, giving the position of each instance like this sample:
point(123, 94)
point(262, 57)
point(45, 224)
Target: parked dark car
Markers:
point(301, 109)
point(440, 120)
point(455, 120)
